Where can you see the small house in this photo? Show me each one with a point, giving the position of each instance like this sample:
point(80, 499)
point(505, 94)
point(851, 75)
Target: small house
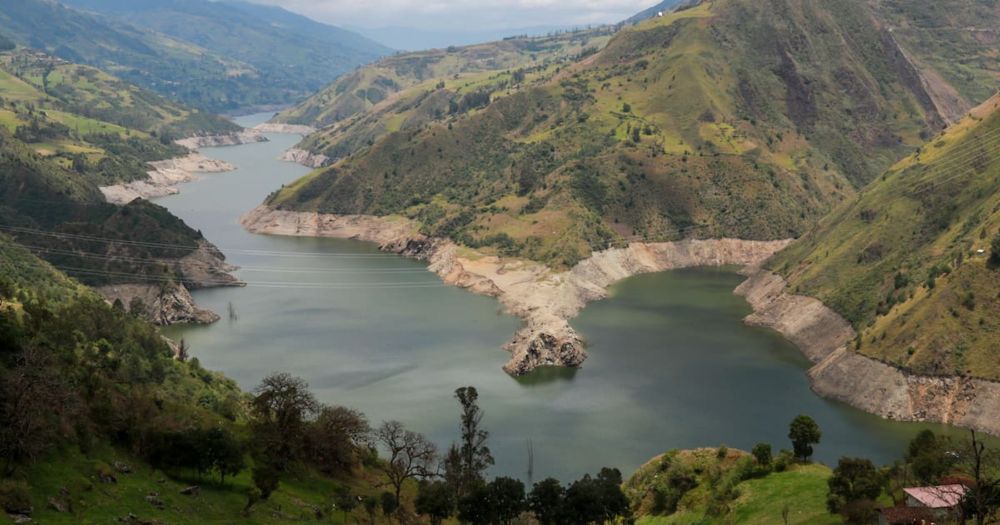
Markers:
point(926, 506)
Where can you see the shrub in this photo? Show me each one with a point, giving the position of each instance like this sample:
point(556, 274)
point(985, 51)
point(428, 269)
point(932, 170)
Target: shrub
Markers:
point(15, 497)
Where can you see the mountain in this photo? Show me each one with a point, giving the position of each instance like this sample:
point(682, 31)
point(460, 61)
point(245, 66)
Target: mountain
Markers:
point(417, 39)
point(729, 119)
point(207, 54)
point(411, 73)
point(912, 262)
point(664, 7)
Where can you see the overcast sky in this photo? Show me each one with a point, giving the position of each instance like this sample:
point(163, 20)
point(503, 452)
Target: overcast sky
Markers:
point(465, 14)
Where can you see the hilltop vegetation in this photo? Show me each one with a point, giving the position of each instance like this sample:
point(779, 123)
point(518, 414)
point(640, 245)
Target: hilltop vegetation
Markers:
point(727, 119)
point(206, 54)
point(912, 261)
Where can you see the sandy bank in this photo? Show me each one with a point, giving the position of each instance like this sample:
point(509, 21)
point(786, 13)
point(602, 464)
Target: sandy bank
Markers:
point(545, 300)
point(871, 385)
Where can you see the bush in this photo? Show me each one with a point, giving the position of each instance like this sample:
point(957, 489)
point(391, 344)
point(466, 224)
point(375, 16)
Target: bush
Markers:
point(762, 453)
point(15, 497)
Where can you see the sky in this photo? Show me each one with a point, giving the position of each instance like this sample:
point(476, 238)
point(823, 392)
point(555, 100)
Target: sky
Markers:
point(467, 14)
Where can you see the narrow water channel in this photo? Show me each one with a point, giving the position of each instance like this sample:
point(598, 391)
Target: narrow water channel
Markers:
point(671, 364)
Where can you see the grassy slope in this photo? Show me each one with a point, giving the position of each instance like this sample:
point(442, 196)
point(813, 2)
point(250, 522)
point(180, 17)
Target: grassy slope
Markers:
point(760, 500)
point(929, 214)
point(754, 118)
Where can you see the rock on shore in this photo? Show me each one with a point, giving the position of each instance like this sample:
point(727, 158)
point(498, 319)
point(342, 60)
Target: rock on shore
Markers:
point(164, 178)
point(545, 300)
point(845, 375)
point(168, 303)
point(247, 136)
point(303, 157)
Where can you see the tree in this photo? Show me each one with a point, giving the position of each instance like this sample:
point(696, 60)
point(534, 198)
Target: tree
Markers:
point(370, 504)
point(995, 251)
point(982, 500)
point(804, 433)
point(596, 499)
point(472, 457)
point(280, 409)
point(265, 479)
point(507, 497)
point(854, 487)
point(389, 503)
point(436, 500)
point(410, 455)
point(546, 501)
point(928, 457)
point(220, 450)
point(335, 439)
point(344, 500)
point(762, 453)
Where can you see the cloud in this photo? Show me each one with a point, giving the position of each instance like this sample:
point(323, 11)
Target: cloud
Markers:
point(470, 14)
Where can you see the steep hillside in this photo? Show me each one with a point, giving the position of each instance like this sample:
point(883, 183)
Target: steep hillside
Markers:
point(912, 262)
point(417, 74)
point(954, 43)
point(729, 119)
point(666, 6)
point(204, 53)
point(91, 122)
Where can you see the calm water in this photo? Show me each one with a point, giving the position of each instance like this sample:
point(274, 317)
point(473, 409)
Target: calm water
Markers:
point(671, 365)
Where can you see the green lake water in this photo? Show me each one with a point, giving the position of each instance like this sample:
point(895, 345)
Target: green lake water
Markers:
point(671, 364)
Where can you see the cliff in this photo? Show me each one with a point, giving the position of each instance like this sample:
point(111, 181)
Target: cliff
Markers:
point(861, 381)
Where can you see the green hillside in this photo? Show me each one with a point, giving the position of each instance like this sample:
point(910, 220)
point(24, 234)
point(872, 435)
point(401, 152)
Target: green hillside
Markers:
point(91, 122)
point(403, 80)
point(732, 118)
point(909, 261)
point(67, 129)
point(709, 486)
point(206, 54)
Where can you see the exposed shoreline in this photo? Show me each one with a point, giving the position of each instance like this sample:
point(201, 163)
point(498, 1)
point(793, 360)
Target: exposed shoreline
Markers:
point(545, 300)
point(863, 382)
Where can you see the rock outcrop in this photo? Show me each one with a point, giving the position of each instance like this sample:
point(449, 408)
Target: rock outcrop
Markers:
point(169, 303)
point(247, 136)
point(545, 300)
point(845, 375)
point(305, 158)
point(164, 178)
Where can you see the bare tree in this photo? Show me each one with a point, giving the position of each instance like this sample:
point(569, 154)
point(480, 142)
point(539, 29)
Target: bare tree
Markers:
point(982, 464)
point(410, 454)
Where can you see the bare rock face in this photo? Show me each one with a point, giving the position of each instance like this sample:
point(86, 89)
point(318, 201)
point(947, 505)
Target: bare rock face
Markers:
point(161, 305)
point(866, 383)
point(247, 136)
point(546, 345)
point(166, 304)
point(164, 178)
point(305, 158)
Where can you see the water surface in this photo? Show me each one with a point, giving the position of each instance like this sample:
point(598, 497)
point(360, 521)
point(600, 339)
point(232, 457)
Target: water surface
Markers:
point(671, 364)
